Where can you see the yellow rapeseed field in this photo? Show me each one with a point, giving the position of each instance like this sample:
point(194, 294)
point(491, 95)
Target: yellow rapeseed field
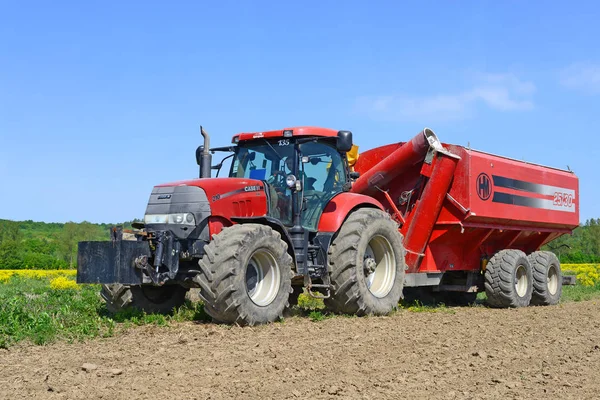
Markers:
point(62, 283)
point(5, 274)
point(587, 274)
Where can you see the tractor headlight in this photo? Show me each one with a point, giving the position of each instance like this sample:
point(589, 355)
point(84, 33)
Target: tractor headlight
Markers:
point(290, 181)
point(178, 219)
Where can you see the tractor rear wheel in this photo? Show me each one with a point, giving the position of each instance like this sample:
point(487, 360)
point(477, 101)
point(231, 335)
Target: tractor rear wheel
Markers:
point(245, 275)
point(146, 298)
point(367, 266)
point(547, 278)
point(508, 279)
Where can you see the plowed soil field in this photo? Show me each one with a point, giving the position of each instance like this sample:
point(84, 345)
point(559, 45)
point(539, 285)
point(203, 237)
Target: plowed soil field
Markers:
point(473, 352)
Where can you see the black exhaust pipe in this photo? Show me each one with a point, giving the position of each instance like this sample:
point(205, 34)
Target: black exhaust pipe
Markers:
point(203, 156)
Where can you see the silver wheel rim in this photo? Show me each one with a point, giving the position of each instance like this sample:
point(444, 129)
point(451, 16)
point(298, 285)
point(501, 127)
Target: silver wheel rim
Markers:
point(379, 266)
point(262, 278)
point(521, 280)
point(552, 279)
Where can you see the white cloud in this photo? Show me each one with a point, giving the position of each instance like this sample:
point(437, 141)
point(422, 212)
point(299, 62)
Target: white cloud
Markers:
point(501, 92)
point(581, 76)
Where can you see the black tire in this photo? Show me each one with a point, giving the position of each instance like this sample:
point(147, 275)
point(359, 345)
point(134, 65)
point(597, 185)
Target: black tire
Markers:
point(231, 263)
point(351, 255)
point(147, 298)
point(506, 270)
point(547, 278)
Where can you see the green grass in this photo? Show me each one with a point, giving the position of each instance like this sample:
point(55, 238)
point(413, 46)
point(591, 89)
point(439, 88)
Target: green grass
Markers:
point(417, 307)
point(580, 293)
point(31, 310)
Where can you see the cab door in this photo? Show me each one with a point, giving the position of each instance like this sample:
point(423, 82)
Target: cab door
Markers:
point(323, 175)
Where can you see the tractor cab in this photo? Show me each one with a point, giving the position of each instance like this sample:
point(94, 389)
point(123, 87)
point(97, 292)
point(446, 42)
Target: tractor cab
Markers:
point(306, 170)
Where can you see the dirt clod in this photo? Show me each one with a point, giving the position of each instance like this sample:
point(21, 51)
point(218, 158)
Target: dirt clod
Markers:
point(87, 367)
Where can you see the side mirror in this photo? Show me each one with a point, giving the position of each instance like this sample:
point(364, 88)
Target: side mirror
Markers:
point(344, 141)
point(199, 158)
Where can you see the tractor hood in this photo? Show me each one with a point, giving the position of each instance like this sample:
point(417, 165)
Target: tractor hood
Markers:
point(224, 197)
point(220, 188)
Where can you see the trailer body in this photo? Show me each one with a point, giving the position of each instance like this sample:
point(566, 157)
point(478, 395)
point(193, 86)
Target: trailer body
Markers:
point(479, 203)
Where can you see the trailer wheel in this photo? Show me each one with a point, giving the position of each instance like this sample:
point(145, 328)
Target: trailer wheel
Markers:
point(245, 275)
point(508, 279)
point(146, 298)
point(366, 265)
point(547, 278)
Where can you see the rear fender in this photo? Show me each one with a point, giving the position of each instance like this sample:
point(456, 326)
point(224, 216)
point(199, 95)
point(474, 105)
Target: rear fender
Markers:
point(338, 209)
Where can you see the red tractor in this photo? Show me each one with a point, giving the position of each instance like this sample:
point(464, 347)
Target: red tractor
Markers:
point(293, 215)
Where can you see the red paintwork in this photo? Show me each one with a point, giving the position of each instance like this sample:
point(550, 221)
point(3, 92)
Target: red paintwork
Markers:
point(242, 204)
point(340, 206)
point(428, 209)
point(449, 227)
point(398, 161)
point(216, 224)
point(297, 131)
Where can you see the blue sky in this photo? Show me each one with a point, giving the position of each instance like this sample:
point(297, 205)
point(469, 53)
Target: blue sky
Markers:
point(99, 101)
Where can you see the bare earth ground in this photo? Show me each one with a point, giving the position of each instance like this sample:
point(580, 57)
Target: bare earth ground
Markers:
point(538, 352)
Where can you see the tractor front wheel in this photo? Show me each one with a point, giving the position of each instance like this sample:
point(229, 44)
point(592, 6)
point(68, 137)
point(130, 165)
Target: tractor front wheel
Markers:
point(367, 265)
point(245, 275)
point(146, 298)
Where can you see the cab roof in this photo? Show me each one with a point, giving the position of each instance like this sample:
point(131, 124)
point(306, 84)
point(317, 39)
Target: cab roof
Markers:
point(286, 132)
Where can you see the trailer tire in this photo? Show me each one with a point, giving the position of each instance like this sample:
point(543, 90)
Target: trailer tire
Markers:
point(145, 298)
point(366, 262)
point(547, 278)
point(508, 279)
point(245, 275)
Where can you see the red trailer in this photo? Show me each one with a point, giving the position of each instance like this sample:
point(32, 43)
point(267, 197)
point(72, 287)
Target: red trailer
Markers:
point(458, 207)
point(294, 214)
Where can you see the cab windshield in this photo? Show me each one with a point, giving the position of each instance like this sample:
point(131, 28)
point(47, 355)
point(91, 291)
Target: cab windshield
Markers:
point(260, 160)
point(322, 173)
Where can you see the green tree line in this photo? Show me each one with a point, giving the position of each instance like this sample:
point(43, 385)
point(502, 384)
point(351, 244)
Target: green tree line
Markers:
point(40, 245)
point(583, 246)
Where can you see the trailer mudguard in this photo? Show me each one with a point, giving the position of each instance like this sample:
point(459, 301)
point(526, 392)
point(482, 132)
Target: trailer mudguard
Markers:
point(341, 206)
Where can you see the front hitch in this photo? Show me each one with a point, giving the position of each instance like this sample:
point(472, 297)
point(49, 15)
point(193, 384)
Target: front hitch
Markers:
point(166, 258)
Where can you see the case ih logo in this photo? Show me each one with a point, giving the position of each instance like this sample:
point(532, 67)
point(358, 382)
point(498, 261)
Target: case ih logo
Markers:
point(484, 186)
